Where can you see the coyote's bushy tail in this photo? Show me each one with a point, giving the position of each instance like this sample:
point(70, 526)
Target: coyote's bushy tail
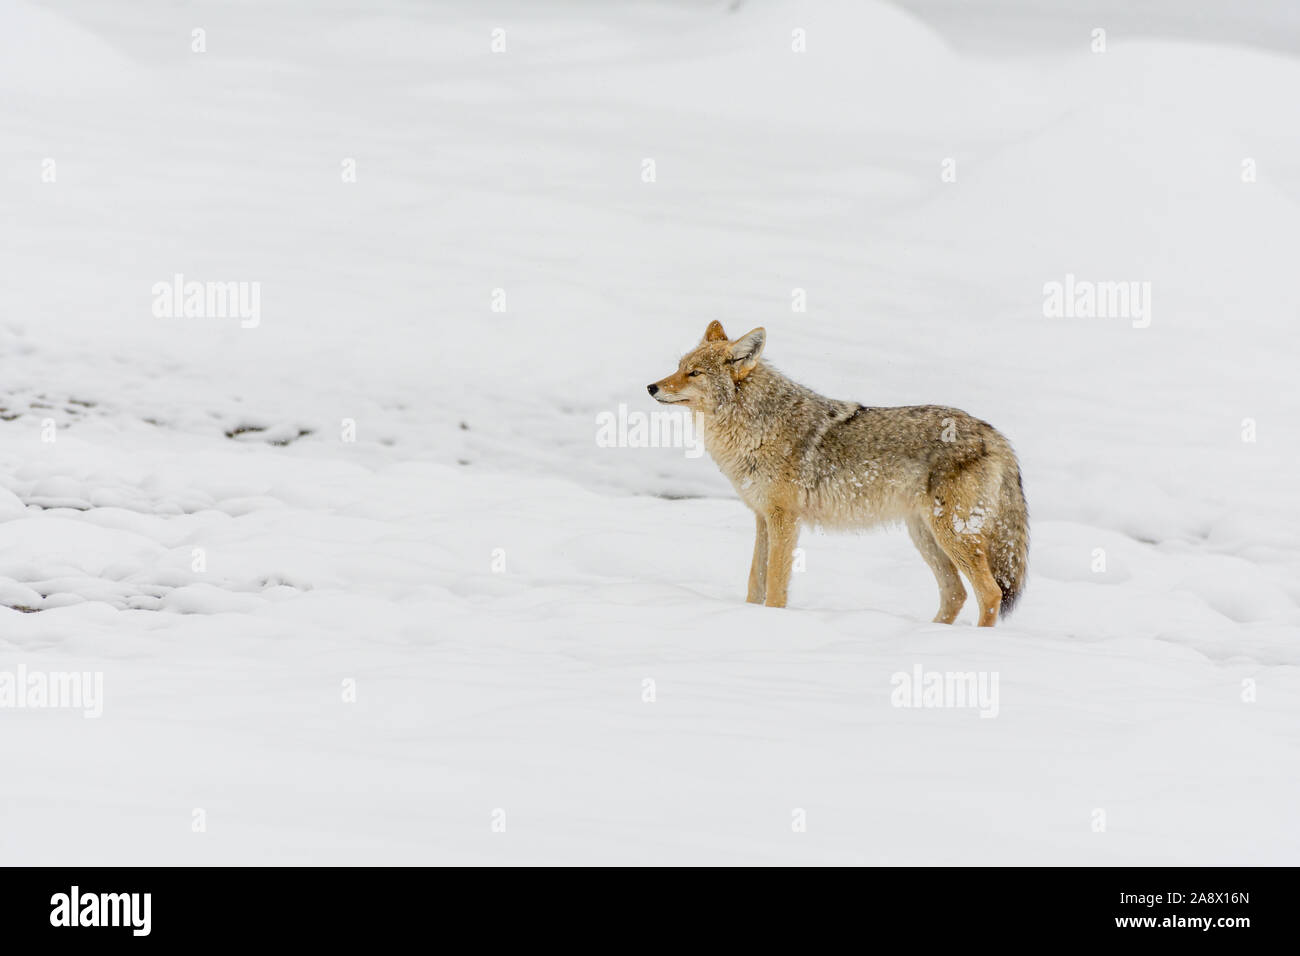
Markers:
point(1009, 549)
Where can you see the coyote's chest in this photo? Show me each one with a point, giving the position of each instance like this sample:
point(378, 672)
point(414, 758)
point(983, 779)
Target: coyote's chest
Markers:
point(752, 482)
point(755, 468)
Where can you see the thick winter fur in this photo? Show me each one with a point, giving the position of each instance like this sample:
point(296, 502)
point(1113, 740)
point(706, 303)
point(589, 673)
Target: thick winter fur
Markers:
point(797, 458)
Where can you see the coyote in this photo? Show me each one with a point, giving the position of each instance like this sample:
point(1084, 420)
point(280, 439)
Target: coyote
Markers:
point(795, 457)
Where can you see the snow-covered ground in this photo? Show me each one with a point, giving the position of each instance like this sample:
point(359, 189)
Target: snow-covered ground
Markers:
point(474, 634)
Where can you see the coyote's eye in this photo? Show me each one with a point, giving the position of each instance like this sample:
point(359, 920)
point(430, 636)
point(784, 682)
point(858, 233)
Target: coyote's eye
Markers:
point(693, 372)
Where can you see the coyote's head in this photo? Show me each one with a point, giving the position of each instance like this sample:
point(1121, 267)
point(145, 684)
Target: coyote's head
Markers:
point(706, 377)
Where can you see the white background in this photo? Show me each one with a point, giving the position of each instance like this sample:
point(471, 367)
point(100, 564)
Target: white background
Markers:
point(327, 561)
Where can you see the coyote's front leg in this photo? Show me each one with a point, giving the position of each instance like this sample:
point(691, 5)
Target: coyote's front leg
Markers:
point(758, 568)
point(782, 533)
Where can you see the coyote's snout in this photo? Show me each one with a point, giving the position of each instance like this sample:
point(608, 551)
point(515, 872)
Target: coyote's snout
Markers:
point(796, 458)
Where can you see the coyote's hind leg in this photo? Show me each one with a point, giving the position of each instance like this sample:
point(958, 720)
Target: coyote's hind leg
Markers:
point(951, 593)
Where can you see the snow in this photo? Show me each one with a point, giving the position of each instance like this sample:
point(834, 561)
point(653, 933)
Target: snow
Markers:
point(498, 586)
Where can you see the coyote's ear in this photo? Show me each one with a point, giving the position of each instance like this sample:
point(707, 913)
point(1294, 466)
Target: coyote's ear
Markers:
point(714, 332)
point(746, 350)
